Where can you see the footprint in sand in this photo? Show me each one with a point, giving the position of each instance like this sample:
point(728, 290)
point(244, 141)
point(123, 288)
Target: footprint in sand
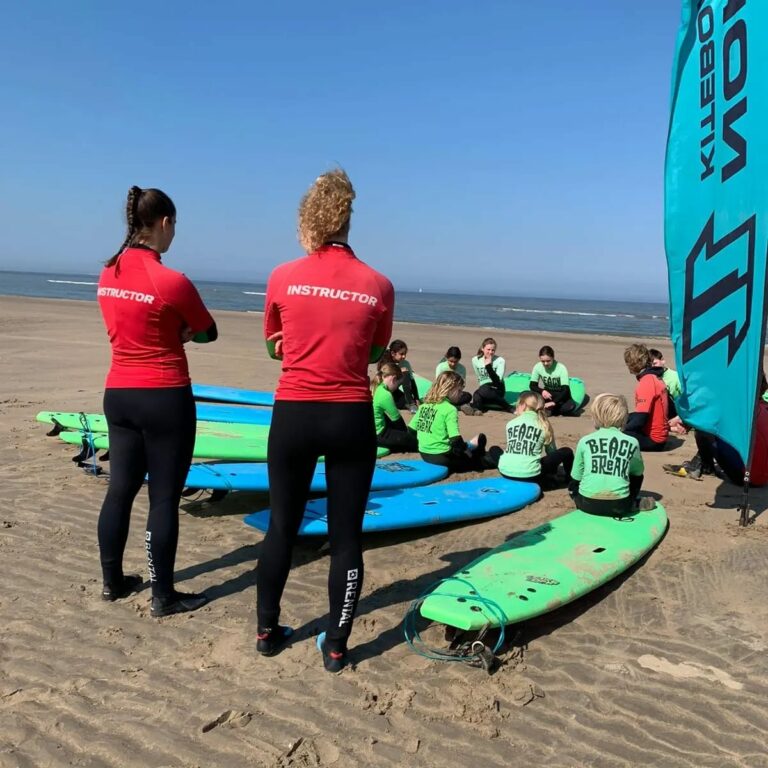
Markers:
point(689, 670)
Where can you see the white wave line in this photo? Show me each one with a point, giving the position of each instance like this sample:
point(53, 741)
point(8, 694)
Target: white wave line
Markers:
point(563, 312)
point(255, 293)
point(71, 282)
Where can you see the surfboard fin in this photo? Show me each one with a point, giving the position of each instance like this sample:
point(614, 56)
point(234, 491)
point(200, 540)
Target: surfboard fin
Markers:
point(55, 430)
point(86, 452)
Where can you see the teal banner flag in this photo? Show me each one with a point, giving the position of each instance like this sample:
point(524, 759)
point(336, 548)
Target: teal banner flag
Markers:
point(716, 214)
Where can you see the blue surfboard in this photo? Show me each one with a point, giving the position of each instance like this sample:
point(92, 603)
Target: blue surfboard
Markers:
point(414, 507)
point(233, 414)
point(254, 477)
point(216, 394)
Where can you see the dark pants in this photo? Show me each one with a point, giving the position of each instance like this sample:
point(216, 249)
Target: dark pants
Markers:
point(549, 464)
point(477, 461)
point(300, 433)
point(463, 398)
point(564, 405)
point(407, 394)
point(646, 444)
point(490, 395)
point(712, 448)
point(608, 507)
point(151, 432)
point(398, 440)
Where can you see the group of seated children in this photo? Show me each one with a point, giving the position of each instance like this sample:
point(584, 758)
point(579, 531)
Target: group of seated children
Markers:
point(604, 475)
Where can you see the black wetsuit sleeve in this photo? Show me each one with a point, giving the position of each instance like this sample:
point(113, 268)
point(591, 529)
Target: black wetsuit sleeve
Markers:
point(534, 386)
point(414, 388)
point(562, 395)
point(495, 380)
point(636, 421)
point(398, 424)
point(204, 337)
point(458, 446)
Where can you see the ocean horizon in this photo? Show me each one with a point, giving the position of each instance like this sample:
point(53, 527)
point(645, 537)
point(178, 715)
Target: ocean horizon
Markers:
point(636, 319)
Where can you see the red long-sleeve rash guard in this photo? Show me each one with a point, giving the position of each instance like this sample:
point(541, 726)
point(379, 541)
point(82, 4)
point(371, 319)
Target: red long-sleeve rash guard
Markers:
point(332, 310)
point(145, 307)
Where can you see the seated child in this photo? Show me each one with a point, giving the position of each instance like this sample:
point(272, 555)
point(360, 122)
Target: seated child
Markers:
point(649, 422)
point(550, 379)
point(437, 427)
point(531, 453)
point(608, 468)
point(407, 395)
point(669, 377)
point(489, 369)
point(450, 362)
point(391, 431)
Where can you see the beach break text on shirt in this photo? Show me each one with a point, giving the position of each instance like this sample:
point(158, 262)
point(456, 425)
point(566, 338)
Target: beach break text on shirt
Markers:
point(426, 418)
point(339, 294)
point(523, 439)
point(551, 382)
point(610, 456)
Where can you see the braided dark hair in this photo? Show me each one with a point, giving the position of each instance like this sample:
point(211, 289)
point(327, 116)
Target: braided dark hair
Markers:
point(143, 207)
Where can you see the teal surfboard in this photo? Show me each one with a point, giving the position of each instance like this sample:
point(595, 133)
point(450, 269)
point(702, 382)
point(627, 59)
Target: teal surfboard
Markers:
point(216, 394)
point(414, 507)
point(544, 568)
point(255, 477)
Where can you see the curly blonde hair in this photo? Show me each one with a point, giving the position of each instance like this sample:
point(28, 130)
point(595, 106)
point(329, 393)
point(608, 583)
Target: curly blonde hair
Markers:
point(637, 358)
point(325, 209)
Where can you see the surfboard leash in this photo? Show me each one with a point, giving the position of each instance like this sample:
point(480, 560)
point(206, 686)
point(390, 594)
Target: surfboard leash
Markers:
point(474, 653)
point(87, 433)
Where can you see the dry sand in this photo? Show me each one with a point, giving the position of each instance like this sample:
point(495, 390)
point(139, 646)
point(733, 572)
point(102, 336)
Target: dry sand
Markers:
point(666, 667)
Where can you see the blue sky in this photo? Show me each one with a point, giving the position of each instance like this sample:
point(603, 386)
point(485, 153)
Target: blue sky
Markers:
point(496, 147)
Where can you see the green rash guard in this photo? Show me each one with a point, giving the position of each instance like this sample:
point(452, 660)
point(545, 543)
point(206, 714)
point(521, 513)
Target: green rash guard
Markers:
point(604, 461)
point(525, 445)
point(384, 408)
point(552, 379)
point(497, 363)
point(443, 367)
point(672, 382)
point(435, 425)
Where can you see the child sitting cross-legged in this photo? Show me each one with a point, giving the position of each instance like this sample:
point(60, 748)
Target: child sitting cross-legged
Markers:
point(608, 467)
point(437, 427)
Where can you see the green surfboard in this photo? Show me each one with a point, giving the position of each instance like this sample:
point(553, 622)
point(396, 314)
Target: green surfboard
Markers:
point(544, 568)
point(515, 383)
point(518, 382)
point(213, 441)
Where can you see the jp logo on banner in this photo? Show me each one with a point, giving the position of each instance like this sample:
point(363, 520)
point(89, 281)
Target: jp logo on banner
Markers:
point(716, 209)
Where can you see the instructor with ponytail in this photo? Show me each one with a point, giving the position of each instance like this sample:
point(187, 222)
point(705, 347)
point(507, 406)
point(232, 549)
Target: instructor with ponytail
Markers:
point(150, 312)
point(315, 306)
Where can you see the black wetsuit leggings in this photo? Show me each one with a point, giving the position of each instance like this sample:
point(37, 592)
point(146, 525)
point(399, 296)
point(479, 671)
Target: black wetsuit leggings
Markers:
point(300, 433)
point(549, 464)
point(607, 507)
point(646, 444)
point(151, 431)
point(490, 395)
point(398, 438)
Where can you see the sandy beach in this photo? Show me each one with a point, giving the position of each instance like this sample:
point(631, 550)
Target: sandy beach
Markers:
point(663, 667)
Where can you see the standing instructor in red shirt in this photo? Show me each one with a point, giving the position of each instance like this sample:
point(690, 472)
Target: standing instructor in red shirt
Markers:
point(327, 316)
point(150, 312)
